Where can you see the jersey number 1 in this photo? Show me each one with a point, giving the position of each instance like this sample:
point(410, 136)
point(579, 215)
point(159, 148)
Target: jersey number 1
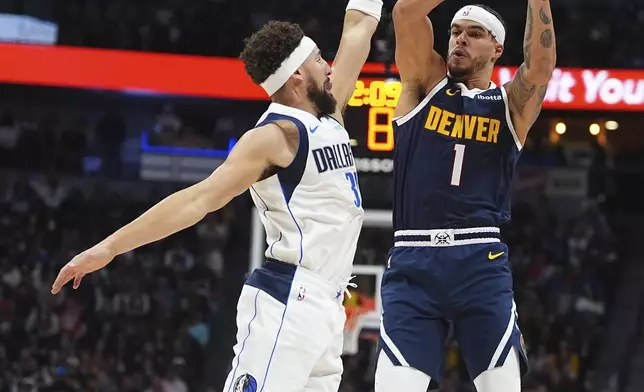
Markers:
point(459, 154)
point(353, 179)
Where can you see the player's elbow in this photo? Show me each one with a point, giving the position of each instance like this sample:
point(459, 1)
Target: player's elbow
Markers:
point(207, 202)
point(541, 65)
point(541, 71)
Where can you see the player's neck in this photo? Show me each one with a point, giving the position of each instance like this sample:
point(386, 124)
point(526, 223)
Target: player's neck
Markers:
point(480, 80)
point(481, 84)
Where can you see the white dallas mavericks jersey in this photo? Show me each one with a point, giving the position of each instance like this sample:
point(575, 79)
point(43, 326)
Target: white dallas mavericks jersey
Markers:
point(312, 210)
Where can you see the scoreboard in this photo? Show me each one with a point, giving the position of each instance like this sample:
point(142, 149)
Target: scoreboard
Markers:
point(376, 100)
point(368, 119)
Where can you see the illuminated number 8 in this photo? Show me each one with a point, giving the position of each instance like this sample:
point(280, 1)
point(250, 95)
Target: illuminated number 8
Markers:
point(459, 154)
point(374, 128)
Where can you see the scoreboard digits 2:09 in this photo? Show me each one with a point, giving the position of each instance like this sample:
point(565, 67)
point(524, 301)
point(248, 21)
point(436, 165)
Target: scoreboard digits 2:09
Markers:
point(381, 98)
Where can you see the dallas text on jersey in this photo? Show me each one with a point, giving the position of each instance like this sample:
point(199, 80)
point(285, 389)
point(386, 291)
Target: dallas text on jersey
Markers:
point(338, 156)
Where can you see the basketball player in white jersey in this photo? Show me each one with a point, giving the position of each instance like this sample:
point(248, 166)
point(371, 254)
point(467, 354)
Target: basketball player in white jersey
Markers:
point(298, 165)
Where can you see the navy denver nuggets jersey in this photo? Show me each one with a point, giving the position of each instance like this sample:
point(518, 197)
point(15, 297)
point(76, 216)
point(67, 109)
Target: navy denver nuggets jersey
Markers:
point(454, 159)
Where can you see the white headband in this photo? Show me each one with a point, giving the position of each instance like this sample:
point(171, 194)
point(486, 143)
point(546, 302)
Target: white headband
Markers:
point(289, 66)
point(484, 18)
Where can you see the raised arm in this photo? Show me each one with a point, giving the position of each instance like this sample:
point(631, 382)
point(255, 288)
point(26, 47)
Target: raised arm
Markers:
point(257, 151)
point(419, 65)
point(360, 23)
point(527, 90)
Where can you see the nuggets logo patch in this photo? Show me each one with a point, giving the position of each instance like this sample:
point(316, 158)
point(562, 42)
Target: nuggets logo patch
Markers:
point(442, 238)
point(245, 383)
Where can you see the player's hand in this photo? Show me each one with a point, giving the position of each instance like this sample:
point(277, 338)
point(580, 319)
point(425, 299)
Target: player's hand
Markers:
point(91, 260)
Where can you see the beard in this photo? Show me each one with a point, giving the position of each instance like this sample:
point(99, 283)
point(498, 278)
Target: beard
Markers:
point(323, 100)
point(461, 72)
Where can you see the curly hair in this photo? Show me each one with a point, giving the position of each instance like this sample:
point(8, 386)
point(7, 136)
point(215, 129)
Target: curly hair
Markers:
point(267, 48)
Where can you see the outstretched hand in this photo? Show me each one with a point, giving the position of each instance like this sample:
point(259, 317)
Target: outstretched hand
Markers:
point(90, 260)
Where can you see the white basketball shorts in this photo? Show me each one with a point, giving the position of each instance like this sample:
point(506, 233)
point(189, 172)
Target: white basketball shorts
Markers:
point(290, 325)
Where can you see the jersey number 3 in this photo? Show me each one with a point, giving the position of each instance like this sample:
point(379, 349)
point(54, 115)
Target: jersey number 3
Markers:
point(457, 170)
point(352, 177)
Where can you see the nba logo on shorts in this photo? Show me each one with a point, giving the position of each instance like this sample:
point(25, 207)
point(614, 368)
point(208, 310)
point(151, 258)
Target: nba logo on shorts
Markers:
point(301, 294)
point(245, 383)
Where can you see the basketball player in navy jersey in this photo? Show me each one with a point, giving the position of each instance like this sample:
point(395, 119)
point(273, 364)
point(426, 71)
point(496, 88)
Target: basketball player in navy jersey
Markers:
point(298, 165)
point(457, 140)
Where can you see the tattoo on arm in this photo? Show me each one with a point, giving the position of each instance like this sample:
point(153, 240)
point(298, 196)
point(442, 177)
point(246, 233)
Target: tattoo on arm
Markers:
point(521, 91)
point(526, 97)
point(543, 90)
point(542, 95)
point(547, 37)
point(544, 17)
point(528, 27)
point(526, 55)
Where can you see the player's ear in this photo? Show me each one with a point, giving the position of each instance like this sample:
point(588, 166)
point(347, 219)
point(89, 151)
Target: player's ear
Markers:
point(498, 51)
point(298, 76)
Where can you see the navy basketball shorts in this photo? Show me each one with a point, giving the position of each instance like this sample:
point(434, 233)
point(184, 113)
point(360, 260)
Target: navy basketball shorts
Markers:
point(426, 287)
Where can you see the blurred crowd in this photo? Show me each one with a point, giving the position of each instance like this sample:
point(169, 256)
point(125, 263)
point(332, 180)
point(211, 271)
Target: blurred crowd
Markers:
point(143, 324)
point(565, 275)
point(76, 132)
point(218, 27)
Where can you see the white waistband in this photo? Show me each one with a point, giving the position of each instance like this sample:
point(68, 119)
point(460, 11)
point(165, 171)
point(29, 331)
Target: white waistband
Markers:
point(330, 289)
point(446, 237)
